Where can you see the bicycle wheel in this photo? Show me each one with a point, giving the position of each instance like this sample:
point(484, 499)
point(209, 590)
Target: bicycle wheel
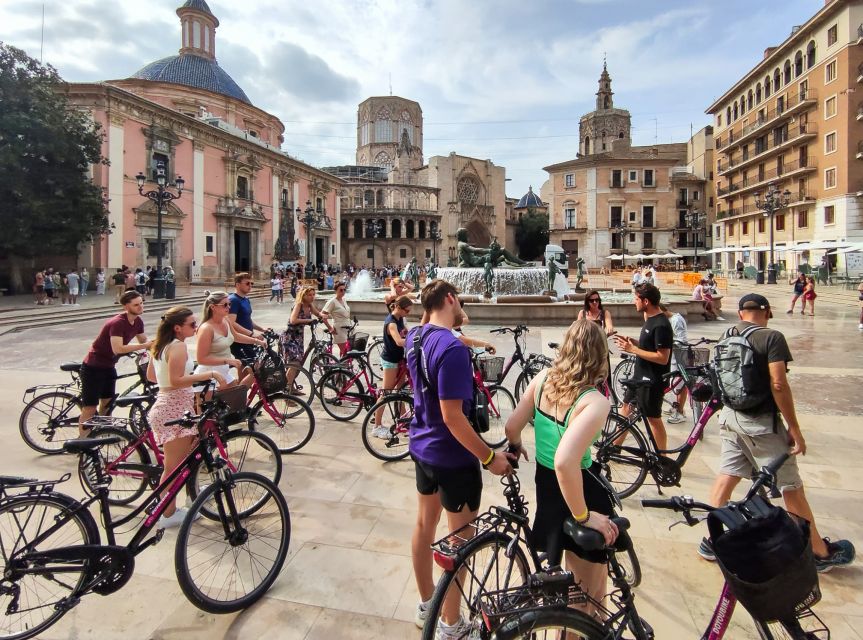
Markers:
point(485, 566)
point(806, 626)
point(389, 439)
point(342, 394)
point(622, 371)
point(621, 451)
point(247, 451)
point(49, 420)
point(126, 463)
point(301, 386)
point(39, 595)
point(320, 364)
point(500, 409)
point(289, 422)
point(138, 422)
point(551, 624)
point(374, 351)
point(629, 564)
point(229, 563)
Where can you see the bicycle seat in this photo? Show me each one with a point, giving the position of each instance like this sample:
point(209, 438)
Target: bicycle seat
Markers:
point(87, 445)
point(632, 383)
point(129, 400)
point(591, 539)
point(553, 345)
point(71, 366)
point(13, 481)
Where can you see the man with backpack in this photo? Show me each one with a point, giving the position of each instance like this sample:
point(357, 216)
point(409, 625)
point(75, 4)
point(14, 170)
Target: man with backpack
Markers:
point(751, 363)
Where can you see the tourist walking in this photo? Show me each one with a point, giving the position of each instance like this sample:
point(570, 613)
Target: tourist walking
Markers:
point(141, 281)
point(131, 280)
point(809, 296)
point(171, 368)
point(277, 286)
point(653, 354)
point(740, 269)
point(753, 438)
point(62, 287)
point(85, 281)
point(240, 317)
point(39, 288)
point(340, 313)
point(215, 337)
point(568, 414)
point(677, 412)
point(49, 286)
point(73, 283)
point(119, 281)
point(799, 288)
point(100, 282)
point(446, 451)
point(98, 373)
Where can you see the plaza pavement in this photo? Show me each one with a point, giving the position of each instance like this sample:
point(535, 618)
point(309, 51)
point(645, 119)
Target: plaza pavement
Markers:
point(349, 575)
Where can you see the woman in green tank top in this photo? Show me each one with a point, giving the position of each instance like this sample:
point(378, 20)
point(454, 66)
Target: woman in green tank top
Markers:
point(568, 414)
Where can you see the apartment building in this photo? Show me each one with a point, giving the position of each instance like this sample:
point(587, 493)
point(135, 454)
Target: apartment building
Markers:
point(794, 122)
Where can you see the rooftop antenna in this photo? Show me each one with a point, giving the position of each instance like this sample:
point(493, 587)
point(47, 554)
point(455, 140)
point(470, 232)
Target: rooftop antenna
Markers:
point(42, 35)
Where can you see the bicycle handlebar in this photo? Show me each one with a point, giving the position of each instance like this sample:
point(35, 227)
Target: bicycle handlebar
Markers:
point(519, 329)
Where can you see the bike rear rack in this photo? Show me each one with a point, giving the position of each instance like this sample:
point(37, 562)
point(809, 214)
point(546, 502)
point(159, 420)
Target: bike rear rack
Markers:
point(12, 486)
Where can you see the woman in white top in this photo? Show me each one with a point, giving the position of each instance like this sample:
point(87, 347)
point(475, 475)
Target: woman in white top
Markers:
point(215, 337)
point(171, 368)
point(340, 315)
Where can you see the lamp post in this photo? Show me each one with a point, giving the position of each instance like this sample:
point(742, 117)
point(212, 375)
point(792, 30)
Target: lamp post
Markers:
point(695, 221)
point(161, 196)
point(773, 200)
point(435, 236)
point(373, 229)
point(312, 219)
point(622, 228)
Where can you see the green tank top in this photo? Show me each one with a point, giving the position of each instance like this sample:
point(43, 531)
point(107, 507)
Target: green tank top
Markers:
point(548, 432)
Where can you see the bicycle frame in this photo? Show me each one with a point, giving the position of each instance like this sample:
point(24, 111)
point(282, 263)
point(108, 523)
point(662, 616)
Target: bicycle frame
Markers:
point(373, 393)
point(480, 383)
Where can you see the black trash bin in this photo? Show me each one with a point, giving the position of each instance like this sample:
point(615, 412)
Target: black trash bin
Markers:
point(759, 277)
point(771, 275)
point(158, 288)
point(170, 289)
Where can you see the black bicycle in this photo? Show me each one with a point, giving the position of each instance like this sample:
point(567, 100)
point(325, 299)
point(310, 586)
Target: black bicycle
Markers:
point(530, 363)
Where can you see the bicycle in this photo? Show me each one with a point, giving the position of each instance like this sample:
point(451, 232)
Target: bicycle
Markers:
point(349, 388)
point(230, 547)
point(804, 625)
point(530, 365)
point(298, 378)
point(501, 404)
point(51, 417)
point(627, 456)
point(396, 411)
point(135, 462)
point(494, 555)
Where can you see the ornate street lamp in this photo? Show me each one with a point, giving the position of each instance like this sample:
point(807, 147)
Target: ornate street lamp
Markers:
point(622, 228)
point(773, 201)
point(161, 196)
point(313, 220)
point(695, 221)
point(373, 229)
point(435, 236)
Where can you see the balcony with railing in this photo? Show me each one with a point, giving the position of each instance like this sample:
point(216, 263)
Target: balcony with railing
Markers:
point(803, 131)
point(787, 170)
point(791, 105)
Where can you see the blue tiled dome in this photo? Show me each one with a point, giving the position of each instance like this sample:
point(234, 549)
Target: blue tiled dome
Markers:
point(193, 71)
point(529, 199)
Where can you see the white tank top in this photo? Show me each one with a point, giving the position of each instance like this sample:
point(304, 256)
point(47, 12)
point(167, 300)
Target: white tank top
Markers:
point(163, 375)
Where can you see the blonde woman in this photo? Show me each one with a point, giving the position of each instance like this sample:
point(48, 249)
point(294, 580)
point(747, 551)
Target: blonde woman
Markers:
point(398, 287)
point(171, 368)
point(302, 314)
point(340, 313)
point(568, 414)
point(215, 337)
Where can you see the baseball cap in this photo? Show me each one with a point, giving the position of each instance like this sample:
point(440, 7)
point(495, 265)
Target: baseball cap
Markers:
point(753, 302)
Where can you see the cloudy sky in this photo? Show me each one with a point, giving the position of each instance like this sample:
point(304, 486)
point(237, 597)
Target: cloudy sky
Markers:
point(499, 79)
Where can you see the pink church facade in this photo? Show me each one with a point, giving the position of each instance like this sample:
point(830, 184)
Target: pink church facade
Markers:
point(238, 208)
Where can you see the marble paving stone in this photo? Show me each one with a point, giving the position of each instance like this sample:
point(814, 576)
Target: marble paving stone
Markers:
point(338, 523)
point(306, 482)
point(333, 624)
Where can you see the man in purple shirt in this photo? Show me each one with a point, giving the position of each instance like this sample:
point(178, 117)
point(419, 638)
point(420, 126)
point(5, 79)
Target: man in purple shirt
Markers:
point(446, 451)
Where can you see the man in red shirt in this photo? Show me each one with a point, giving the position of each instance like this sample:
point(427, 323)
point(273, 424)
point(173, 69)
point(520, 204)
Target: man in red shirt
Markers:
point(98, 372)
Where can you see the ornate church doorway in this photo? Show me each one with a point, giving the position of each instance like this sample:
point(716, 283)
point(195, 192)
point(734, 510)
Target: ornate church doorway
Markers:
point(242, 250)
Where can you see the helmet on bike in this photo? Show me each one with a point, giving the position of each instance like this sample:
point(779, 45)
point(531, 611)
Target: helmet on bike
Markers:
point(702, 391)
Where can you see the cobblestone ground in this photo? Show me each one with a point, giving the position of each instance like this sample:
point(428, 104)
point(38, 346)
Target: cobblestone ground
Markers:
point(349, 575)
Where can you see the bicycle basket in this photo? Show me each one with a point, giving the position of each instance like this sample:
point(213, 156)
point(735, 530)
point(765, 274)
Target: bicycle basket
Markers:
point(270, 374)
point(360, 341)
point(768, 563)
point(491, 367)
point(686, 356)
point(235, 400)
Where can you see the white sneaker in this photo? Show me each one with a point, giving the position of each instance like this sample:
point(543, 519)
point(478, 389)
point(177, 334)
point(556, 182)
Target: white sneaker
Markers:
point(720, 318)
point(422, 613)
point(860, 326)
point(455, 632)
point(175, 519)
point(676, 418)
point(381, 432)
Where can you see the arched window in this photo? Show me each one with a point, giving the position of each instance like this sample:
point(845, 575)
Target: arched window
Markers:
point(749, 102)
point(284, 200)
point(798, 64)
point(758, 93)
point(728, 115)
point(243, 187)
point(777, 80)
point(468, 191)
point(383, 160)
point(767, 86)
point(345, 226)
point(586, 145)
point(382, 225)
point(379, 197)
point(605, 103)
point(810, 54)
point(409, 229)
point(422, 229)
point(735, 111)
point(369, 198)
point(358, 228)
point(620, 135)
point(742, 105)
point(786, 72)
point(397, 229)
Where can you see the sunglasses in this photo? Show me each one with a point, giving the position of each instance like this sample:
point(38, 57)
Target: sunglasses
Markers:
point(225, 304)
point(248, 283)
point(594, 300)
point(193, 324)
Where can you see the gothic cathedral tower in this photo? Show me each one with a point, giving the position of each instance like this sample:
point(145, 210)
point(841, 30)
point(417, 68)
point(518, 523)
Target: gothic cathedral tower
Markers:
point(598, 129)
point(389, 127)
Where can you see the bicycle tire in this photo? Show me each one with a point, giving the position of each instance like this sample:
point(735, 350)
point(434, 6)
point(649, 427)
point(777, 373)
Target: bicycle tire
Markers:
point(396, 420)
point(374, 352)
point(504, 404)
point(628, 561)
point(548, 623)
point(480, 570)
point(39, 424)
point(291, 428)
point(341, 394)
point(127, 484)
point(80, 528)
point(624, 465)
point(622, 371)
point(138, 422)
point(262, 458)
point(302, 385)
point(320, 364)
point(233, 567)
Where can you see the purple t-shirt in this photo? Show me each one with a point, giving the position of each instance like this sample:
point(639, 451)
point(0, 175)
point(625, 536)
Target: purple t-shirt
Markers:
point(450, 373)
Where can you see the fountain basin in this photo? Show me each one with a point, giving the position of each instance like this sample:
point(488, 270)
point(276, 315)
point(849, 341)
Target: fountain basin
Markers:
point(525, 281)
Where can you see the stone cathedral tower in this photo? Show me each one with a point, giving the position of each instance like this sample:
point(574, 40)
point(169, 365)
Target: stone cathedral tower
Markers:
point(598, 129)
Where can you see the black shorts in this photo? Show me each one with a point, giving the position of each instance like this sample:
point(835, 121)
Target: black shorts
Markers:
point(49, 292)
point(552, 511)
point(458, 486)
point(647, 399)
point(97, 383)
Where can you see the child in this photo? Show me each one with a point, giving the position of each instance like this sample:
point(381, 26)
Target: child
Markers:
point(809, 295)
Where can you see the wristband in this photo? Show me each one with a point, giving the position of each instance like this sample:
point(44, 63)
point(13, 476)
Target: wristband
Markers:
point(489, 459)
point(584, 517)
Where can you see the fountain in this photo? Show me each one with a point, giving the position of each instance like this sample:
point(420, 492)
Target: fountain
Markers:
point(362, 285)
point(525, 281)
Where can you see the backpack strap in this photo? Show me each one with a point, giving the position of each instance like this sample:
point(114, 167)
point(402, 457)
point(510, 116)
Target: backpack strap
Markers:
point(419, 356)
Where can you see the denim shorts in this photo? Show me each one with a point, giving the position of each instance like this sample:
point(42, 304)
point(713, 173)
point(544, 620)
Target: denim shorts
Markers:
point(386, 364)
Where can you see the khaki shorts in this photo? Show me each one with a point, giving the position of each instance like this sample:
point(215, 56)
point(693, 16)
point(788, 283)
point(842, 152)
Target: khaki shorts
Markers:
point(749, 443)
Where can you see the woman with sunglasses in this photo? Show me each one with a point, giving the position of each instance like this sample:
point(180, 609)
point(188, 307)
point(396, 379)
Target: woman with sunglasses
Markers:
point(340, 313)
point(594, 312)
point(171, 368)
point(215, 337)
